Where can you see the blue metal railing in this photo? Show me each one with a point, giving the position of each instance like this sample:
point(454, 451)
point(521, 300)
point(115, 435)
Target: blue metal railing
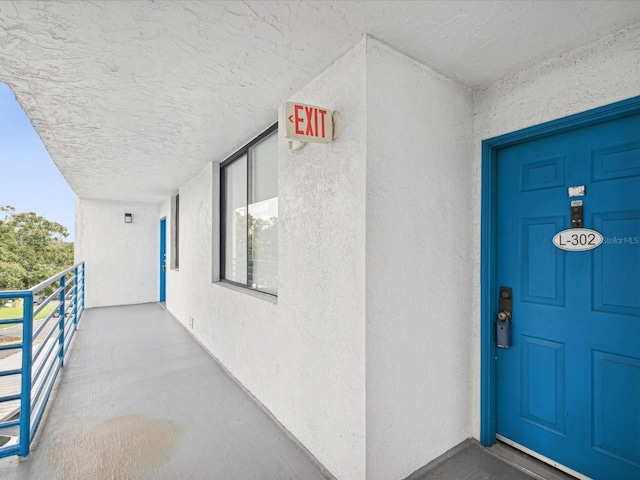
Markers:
point(38, 355)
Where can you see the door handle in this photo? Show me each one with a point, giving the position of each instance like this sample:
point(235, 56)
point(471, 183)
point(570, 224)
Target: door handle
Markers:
point(503, 323)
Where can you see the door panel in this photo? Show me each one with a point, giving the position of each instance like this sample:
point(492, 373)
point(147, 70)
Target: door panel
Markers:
point(616, 378)
point(616, 161)
point(543, 284)
point(615, 293)
point(543, 174)
point(543, 383)
point(569, 387)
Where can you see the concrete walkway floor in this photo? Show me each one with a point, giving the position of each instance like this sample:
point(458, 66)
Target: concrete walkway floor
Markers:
point(471, 461)
point(140, 399)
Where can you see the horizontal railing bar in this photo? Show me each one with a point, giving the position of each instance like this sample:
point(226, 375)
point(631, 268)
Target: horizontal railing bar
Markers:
point(47, 376)
point(9, 424)
point(68, 315)
point(15, 294)
point(39, 410)
point(49, 281)
point(7, 373)
point(49, 386)
point(70, 322)
point(11, 320)
point(53, 296)
point(9, 398)
point(68, 339)
point(45, 303)
point(34, 376)
point(68, 327)
point(36, 354)
point(11, 346)
point(8, 451)
point(69, 318)
point(45, 322)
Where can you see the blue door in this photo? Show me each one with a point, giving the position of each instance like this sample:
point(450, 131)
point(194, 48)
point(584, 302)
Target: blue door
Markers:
point(163, 258)
point(569, 386)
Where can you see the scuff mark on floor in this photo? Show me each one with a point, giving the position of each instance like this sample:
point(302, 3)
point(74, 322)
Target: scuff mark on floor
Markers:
point(131, 447)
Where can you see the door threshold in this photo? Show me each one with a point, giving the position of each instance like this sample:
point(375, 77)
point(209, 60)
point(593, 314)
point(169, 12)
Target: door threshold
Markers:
point(540, 471)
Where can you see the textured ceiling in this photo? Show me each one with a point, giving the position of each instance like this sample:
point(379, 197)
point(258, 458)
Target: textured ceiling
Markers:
point(131, 98)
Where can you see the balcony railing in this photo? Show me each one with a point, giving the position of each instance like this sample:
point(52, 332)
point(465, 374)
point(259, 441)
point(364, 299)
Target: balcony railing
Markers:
point(28, 375)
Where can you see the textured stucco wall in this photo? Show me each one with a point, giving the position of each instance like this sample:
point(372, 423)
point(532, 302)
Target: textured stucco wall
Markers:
point(373, 267)
point(597, 74)
point(302, 357)
point(419, 264)
point(122, 260)
point(322, 266)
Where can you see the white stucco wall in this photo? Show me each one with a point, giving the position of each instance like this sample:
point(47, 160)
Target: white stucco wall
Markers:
point(302, 357)
point(122, 260)
point(356, 245)
point(597, 74)
point(370, 356)
point(419, 264)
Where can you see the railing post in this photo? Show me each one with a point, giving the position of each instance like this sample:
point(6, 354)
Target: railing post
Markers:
point(25, 388)
point(75, 298)
point(61, 322)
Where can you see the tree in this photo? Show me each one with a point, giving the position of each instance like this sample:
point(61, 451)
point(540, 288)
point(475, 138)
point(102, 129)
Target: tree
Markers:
point(262, 251)
point(32, 249)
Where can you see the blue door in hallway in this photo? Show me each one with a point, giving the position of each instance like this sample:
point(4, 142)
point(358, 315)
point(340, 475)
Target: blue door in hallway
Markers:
point(569, 386)
point(163, 258)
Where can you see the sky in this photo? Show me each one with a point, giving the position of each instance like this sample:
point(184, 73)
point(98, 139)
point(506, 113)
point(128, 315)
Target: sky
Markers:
point(29, 180)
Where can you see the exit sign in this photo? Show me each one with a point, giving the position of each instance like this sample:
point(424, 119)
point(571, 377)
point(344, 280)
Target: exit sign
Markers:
point(307, 123)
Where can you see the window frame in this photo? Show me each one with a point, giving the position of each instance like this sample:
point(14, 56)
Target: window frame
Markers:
point(223, 204)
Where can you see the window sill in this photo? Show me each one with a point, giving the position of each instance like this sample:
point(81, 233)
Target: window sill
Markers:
point(254, 293)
